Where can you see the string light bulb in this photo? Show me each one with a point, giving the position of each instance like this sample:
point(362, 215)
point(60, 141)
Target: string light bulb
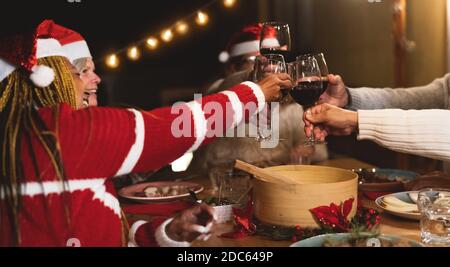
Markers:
point(152, 43)
point(133, 53)
point(229, 3)
point(112, 61)
point(202, 18)
point(182, 27)
point(167, 35)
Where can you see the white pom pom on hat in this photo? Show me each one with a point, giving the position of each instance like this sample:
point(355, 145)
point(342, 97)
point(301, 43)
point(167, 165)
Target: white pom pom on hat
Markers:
point(24, 53)
point(42, 76)
point(224, 56)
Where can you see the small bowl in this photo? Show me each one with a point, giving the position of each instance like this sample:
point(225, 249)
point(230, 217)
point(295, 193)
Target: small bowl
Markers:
point(383, 180)
point(224, 213)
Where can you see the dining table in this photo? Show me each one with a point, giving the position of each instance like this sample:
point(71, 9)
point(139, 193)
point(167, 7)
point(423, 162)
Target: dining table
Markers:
point(389, 225)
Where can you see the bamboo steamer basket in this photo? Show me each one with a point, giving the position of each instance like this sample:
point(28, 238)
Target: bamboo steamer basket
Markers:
point(289, 204)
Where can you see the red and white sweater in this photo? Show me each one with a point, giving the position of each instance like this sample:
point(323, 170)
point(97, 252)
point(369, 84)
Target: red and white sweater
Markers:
point(97, 143)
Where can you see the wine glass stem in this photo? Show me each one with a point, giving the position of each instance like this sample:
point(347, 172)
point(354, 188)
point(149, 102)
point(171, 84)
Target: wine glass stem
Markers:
point(311, 138)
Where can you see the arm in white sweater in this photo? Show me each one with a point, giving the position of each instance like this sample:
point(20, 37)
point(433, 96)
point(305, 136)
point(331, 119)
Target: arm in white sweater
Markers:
point(424, 133)
point(435, 95)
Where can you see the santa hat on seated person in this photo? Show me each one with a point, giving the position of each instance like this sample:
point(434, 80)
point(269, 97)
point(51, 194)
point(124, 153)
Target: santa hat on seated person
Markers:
point(23, 51)
point(247, 40)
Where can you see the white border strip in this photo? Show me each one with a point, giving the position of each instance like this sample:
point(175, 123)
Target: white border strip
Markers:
point(132, 234)
point(164, 241)
point(96, 186)
point(244, 48)
point(108, 200)
point(49, 47)
point(136, 149)
point(77, 50)
point(33, 189)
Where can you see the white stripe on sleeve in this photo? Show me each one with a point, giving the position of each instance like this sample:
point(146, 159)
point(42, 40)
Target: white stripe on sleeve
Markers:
point(258, 94)
point(136, 149)
point(236, 104)
point(200, 125)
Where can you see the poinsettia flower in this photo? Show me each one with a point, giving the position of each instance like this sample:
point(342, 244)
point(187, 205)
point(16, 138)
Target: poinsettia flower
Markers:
point(243, 219)
point(334, 216)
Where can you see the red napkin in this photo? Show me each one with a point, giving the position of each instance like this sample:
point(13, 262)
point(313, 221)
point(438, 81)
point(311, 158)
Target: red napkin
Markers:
point(165, 209)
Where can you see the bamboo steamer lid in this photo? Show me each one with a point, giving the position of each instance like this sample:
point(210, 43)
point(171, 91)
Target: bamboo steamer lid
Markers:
point(289, 205)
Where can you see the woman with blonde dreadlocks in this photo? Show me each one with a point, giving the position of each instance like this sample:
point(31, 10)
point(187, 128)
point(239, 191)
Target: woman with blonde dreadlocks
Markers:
point(55, 158)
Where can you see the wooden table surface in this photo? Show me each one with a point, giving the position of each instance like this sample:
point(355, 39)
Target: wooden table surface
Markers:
point(390, 225)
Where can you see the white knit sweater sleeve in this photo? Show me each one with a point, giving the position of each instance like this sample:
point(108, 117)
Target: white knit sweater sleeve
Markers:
point(424, 133)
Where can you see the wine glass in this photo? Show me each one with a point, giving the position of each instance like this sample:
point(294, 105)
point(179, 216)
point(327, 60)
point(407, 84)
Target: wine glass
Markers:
point(320, 58)
point(308, 87)
point(267, 64)
point(291, 70)
point(264, 65)
point(275, 39)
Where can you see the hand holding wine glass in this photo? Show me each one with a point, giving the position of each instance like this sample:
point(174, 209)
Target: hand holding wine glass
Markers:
point(329, 120)
point(264, 66)
point(308, 86)
point(268, 64)
point(271, 85)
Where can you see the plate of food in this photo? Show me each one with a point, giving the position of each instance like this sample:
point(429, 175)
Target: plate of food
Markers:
point(384, 180)
point(352, 240)
point(403, 204)
point(159, 191)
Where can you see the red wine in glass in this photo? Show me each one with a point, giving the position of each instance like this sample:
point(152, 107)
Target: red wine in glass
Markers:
point(324, 83)
point(307, 93)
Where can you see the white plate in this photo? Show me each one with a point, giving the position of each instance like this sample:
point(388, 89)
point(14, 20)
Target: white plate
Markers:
point(130, 192)
point(318, 241)
point(404, 196)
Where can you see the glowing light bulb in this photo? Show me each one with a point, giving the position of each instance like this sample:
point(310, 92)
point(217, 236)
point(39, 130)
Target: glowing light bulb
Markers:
point(182, 27)
point(167, 35)
point(152, 43)
point(133, 53)
point(202, 18)
point(112, 61)
point(229, 3)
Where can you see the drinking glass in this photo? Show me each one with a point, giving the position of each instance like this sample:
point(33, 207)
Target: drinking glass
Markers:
point(308, 87)
point(265, 65)
point(234, 187)
point(275, 39)
point(434, 206)
point(323, 67)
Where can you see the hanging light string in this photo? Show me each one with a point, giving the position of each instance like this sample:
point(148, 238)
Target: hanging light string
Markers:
point(180, 27)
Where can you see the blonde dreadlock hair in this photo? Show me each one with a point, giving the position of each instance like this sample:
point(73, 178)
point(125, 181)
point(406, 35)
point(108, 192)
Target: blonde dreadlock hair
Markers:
point(19, 120)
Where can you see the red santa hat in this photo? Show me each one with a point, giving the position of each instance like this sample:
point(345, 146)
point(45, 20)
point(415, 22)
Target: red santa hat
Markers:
point(23, 51)
point(73, 43)
point(247, 40)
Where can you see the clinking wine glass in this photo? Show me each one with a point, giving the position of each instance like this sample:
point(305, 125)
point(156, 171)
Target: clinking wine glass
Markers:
point(323, 67)
point(308, 87)
point(265, 65)
point(275, 39)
